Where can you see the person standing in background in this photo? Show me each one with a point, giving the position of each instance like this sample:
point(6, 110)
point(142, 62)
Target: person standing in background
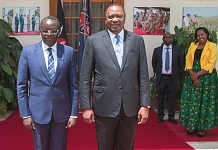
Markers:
point(28, 23)
point(10, 20)
point(16, 23)
point(199, 101)
point(187, 21)
point(167, 61)
point(25, 23)
point(49, 103)
point(121, 93)
point(37, 22)
point(33, 23)
point(21, 22)
point(194, 20)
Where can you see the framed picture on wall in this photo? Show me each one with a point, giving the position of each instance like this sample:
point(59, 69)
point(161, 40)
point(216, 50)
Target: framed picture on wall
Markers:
point(151, 20)
point(23, 20)
point(194, 17)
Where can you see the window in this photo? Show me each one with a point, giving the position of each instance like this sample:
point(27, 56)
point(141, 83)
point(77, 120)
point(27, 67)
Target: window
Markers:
point(72, 17)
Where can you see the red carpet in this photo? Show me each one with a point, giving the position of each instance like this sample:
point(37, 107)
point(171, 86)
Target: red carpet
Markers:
point(180, 131)
point(139, 32)
point(14, 136)
point(27, 33)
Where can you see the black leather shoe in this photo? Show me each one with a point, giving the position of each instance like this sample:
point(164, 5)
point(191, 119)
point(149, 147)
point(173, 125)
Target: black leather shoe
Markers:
point(201, 134)
point(173, 121)
point(191, 132)
point(160, 120)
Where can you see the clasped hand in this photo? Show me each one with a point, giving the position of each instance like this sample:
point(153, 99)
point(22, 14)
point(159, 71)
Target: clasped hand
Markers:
point(194, 78)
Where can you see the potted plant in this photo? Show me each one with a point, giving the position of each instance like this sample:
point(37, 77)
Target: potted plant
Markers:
point(182, 38)
point(10, 49)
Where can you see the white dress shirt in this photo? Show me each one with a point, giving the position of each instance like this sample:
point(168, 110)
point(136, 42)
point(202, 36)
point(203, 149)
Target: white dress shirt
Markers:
point(54, 53)
point(114, 40)
point(164, 58)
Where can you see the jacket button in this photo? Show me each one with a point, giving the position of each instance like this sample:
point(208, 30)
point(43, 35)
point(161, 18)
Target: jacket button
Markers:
point(120, 87)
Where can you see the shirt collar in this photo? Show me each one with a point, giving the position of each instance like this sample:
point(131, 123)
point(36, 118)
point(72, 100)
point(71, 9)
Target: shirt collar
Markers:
point(167, 46)
point(45, 47)
point(112, 36)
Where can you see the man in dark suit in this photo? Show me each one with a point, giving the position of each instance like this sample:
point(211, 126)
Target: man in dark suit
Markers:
point(33, 22)
point(16, 23)
point(47, 88)
point(21, 22)
point(121, 92)
point(167, 61)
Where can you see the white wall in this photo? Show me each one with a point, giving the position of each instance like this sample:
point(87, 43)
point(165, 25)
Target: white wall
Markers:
point(176, 12)
point(44, 11)
point(152, 41)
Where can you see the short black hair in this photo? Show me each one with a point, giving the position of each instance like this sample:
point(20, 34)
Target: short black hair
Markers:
point(51, 18)
point(115, 4)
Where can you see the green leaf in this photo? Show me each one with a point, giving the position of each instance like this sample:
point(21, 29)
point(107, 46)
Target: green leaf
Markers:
point(3, 107)
point(1, 91)
point(7, 68)
point(8, 94)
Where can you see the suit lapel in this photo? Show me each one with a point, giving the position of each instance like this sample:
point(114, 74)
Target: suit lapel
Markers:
point(60, 59)
point(109, 46)
point(41, 60)
point(126, 47)
point(161, 54)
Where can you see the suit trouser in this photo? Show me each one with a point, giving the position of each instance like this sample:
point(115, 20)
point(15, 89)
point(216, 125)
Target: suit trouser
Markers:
point(16, 27)
point(49, 135)
point(118, 132)
point(166, 85)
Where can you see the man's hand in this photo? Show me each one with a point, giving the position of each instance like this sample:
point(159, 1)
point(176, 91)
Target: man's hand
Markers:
point(88, 115)
point(71, 122)
point(143, 115)
point(28, 123)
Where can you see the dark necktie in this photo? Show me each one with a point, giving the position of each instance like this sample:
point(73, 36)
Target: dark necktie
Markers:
point(118, 50)
point(167, 60)
point(51, 69)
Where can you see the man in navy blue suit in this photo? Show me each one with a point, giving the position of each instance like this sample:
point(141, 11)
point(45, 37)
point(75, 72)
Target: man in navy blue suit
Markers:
point(47, 88)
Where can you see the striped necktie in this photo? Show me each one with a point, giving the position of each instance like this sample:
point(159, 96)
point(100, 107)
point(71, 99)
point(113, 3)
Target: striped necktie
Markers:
point(51, 69)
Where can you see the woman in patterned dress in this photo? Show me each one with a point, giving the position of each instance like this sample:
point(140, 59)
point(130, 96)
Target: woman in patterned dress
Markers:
point(199, 102)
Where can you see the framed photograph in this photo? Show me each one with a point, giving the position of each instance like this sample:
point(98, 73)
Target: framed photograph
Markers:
point(194, 17)
point(23, 20)
point(151, 20)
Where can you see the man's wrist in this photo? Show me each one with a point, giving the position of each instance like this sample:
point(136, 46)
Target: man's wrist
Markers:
point(26, 117)
point(73, 116)
point(147, 106)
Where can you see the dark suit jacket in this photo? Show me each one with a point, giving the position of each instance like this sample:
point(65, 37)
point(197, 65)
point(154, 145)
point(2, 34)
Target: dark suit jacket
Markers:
point(43, 97)
point(113, 86)
point(177, 63)
point(16, 20)
point(21, 20)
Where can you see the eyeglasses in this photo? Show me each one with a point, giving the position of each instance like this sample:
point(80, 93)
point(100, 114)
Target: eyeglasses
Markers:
point(49, 31)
